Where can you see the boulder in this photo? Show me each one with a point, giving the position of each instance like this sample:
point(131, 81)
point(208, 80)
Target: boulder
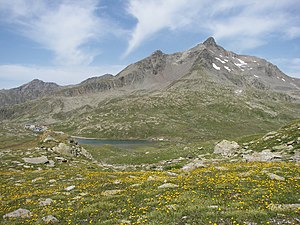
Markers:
point(19, 213)
point(226, 148)
point(36, 160)
point(63, 149)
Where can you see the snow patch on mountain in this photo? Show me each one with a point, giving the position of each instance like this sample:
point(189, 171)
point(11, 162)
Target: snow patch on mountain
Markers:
point(220, 60)
point(227, 68)
point(216, 67)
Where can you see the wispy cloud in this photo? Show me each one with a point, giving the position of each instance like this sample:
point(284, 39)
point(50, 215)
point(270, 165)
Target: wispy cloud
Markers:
point(249, 22)
point(154, 15)
point(64, 27)
point(14, 75)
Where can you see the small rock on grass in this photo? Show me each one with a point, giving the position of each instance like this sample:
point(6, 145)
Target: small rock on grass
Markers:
point(19, 213)
point(111, 192)
point(273, 176)
point(50, 219)
point(47, 201)
point(70, 188)
point(36, 160)
point(168, 185)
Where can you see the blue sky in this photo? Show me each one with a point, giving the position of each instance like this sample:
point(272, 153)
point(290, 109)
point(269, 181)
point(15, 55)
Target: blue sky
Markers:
point(67, 41)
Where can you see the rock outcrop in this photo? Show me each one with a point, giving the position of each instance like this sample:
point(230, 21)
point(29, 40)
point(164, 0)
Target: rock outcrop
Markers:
point(226, 148)
point(264, 156)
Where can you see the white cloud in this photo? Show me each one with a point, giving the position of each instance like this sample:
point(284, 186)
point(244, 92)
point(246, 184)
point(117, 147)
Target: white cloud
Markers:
point(65, 27)
point(250, 22)
point(16, 75)
point(155, 15)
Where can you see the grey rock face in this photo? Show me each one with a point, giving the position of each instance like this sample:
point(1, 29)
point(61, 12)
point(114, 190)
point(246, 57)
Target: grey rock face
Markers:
point(29, 91)
point(226, 148)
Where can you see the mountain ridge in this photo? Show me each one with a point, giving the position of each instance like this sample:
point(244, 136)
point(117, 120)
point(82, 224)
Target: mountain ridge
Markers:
point(205, 92)
point(159, 70)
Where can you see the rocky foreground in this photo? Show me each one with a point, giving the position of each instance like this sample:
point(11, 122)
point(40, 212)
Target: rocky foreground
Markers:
point(244, 182)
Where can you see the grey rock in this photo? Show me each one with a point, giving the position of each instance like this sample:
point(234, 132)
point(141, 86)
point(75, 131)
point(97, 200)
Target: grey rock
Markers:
point(127, 222)
point(226, 148)
point(283, 207)
point(167, 185)
point(51, 163)
point(296, 157)
point(264, 156)
point(273, 176)
point(111, 192)
point(70, 188)
point(63, 149)
point(61, 159)
point(85, 153)
point(47, 201)
point(36, 160)
point(283, 147)
point(171, 174)
point(19, 213)
point(50, 219)
point(193, 165)
point(37, 179)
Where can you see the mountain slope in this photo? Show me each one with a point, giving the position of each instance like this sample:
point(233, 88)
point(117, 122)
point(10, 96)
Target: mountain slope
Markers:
point(203, 93)
point(29, 91)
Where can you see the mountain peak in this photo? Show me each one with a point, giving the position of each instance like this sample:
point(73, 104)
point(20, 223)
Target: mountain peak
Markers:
point(158, 52)
point(210, 42)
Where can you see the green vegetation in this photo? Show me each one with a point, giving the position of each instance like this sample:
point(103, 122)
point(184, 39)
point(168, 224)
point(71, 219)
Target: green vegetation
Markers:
point(154, 153)
point(209, 112)
point(227, 193)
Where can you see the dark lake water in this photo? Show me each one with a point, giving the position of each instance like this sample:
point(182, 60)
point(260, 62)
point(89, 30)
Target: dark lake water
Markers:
point(116, 143)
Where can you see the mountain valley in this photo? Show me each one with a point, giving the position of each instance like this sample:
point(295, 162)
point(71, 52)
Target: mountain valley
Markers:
point(224, 136)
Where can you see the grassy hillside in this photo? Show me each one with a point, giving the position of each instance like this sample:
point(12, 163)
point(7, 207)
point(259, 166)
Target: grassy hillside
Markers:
point(204, 112)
